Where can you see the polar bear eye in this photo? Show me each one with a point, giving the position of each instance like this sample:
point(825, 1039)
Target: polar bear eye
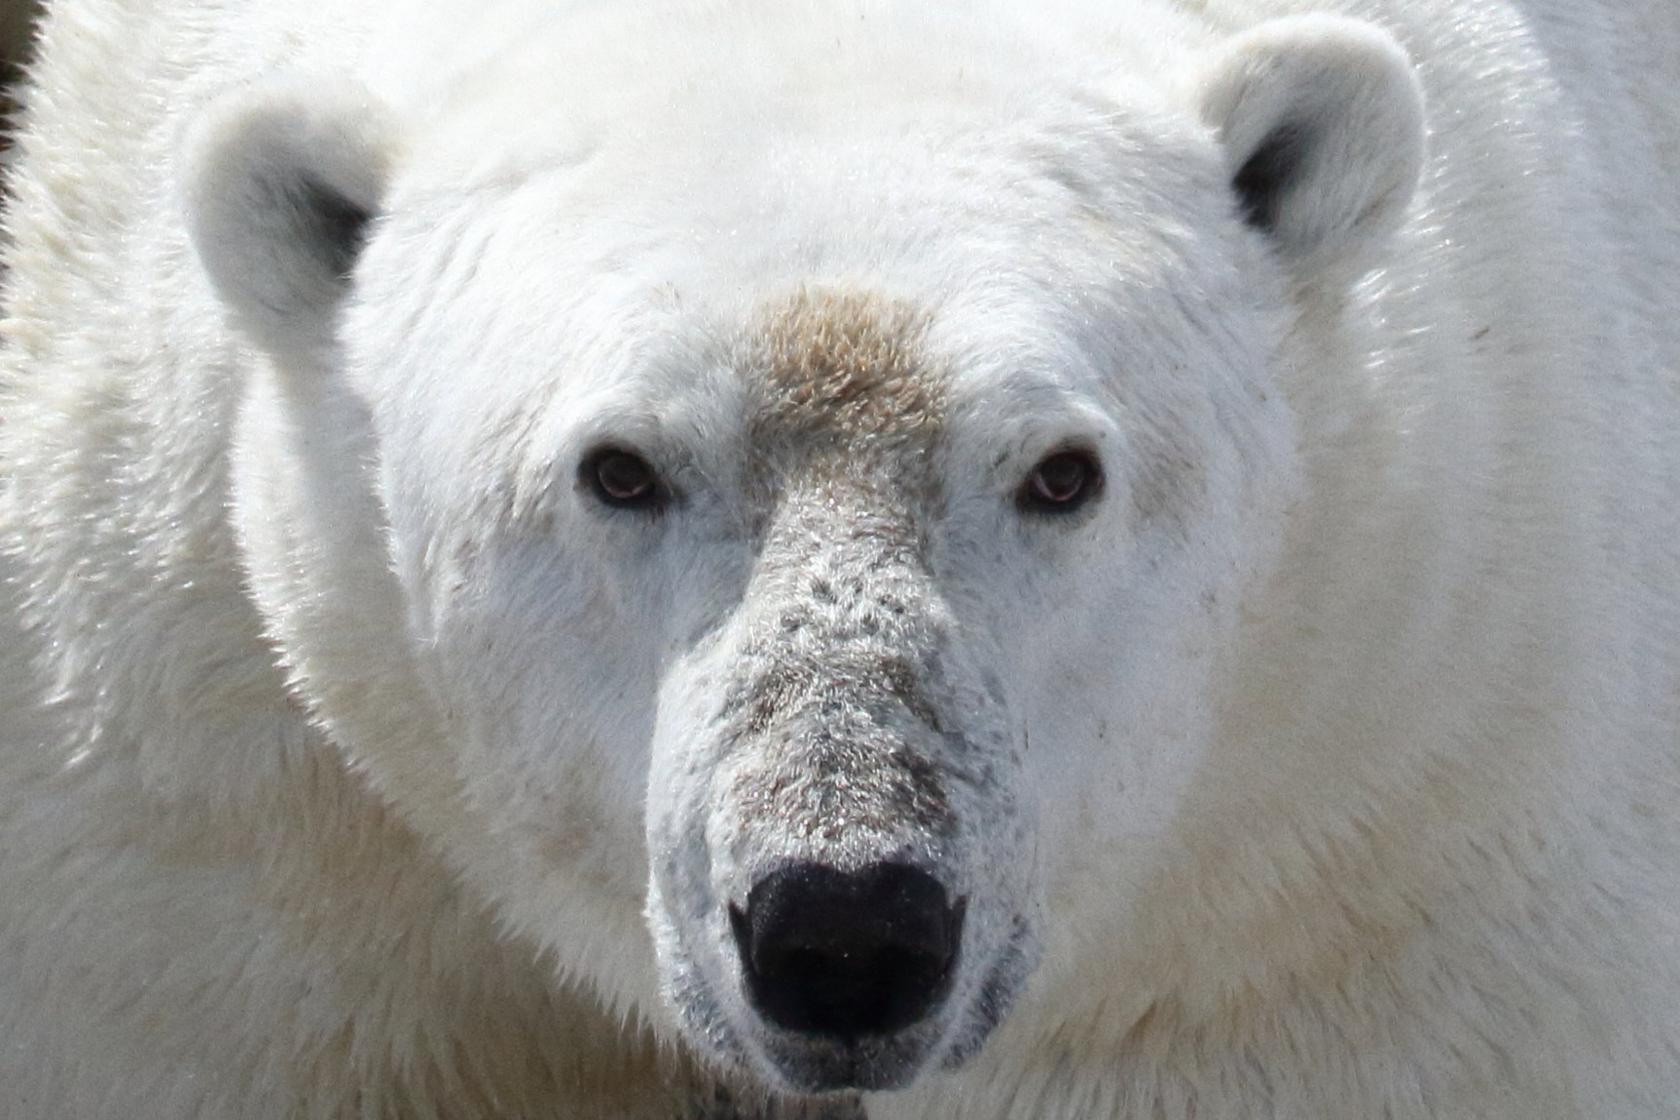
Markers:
point(1061, 483)
point(622, 479)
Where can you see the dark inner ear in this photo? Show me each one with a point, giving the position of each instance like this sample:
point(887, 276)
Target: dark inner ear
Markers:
point(333, 222)
point(1268, 173)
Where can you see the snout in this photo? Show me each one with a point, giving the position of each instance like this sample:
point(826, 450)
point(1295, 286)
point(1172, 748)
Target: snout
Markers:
point(840, 955)
point(839, 887)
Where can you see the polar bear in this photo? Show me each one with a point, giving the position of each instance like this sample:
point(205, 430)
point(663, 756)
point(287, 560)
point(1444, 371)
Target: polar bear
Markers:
point(1075, 561)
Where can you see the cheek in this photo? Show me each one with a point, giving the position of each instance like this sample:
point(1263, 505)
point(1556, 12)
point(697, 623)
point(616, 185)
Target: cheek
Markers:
point(1111, 679)
point(563, 769)
point(549, 699)
point(687, 757)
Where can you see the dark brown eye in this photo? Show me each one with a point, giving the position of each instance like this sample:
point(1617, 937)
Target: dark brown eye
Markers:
point(1062, 483)
point(623, 479)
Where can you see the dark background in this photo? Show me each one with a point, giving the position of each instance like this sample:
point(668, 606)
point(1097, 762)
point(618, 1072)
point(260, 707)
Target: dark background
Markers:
point(16, 18)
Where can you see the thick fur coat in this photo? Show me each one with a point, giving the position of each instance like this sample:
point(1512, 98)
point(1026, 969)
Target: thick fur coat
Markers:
point(484, 488)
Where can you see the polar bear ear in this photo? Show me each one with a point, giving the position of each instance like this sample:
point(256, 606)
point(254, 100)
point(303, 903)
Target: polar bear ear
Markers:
point(1322, 122)
point(280, 184)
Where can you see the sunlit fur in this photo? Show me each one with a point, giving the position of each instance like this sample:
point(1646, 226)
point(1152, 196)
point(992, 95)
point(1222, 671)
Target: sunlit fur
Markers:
point(356, 760)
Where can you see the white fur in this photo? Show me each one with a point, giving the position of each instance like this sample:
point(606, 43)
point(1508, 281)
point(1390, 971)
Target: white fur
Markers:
point(353, 763)
point(1348, 93)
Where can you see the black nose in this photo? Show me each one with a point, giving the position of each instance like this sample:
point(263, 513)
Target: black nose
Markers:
point(840, 953)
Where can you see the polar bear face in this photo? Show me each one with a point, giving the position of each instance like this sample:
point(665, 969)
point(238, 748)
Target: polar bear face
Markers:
point(787, 569)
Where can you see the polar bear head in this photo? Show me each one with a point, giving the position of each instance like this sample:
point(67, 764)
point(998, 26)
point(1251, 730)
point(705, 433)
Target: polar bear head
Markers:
point(777, 531)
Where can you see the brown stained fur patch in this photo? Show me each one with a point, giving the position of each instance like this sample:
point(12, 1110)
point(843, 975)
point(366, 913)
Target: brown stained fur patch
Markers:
point(845, 375)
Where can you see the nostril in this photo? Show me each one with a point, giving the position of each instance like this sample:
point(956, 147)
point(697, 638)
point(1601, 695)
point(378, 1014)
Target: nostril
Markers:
point(829, 952)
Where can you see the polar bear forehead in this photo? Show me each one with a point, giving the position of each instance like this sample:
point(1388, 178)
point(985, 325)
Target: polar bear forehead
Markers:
point(837, 371)
point(570, 82)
